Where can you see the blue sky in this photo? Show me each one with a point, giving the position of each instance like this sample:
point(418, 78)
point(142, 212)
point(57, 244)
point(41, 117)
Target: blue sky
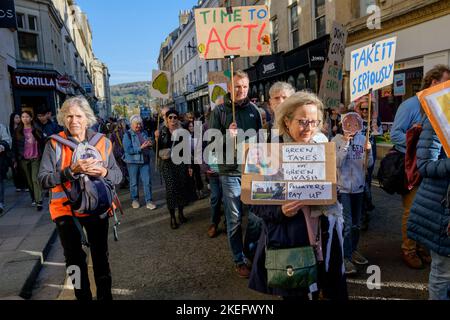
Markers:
point(127, 34)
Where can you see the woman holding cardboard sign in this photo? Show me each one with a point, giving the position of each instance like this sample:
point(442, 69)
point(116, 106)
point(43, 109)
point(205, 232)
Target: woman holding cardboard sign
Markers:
point(292, 230)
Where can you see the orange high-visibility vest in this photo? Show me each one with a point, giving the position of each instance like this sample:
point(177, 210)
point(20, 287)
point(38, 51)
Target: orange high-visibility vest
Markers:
point(64, 160)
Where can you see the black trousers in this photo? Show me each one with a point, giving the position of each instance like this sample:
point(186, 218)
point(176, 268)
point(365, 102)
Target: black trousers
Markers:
point(97, 235)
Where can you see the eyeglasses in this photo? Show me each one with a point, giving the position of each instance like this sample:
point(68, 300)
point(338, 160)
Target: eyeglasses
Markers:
point(364, 109)
point(306, 123)
point(173, 118)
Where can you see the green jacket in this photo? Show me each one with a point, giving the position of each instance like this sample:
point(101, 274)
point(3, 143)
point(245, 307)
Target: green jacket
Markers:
point(247, 117)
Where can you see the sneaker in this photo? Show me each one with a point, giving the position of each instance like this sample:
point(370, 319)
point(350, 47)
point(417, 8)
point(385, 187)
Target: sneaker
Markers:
point(243, 271)
point(349, 267)
point(151, 206)
point(412, 260)
point(2, 209)
point(135, 204)
point(212, 231)
point(39, 206)
point(357, 258)
point(33, 204)
point(18, 190)
point(26, 190)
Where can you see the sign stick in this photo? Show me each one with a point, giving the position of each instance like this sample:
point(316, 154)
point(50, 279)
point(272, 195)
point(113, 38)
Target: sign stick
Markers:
point(156, 140)
point(233, 106)
point(369, 128)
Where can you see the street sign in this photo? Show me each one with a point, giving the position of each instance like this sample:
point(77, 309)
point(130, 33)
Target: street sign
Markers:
point(245, 32)
point(8, 14)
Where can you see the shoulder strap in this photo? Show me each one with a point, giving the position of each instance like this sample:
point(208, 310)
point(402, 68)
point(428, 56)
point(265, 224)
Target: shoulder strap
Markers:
point(66, 142)
point(95, 139)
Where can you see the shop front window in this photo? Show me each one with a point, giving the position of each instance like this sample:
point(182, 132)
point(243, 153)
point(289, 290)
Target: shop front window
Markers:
point(291, 81)
point(267, 89)
point(28, 46)
point(313, 81)
point(261, 92)
point(254, 92)
point(301, 82)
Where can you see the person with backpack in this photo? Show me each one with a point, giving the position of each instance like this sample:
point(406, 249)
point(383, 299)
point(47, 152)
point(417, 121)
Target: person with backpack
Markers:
point(247, 117)
point(408, 115)
point(91, 176)
point(137, 148)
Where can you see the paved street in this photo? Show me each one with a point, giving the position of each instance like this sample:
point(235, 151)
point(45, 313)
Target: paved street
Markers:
point(151, 261)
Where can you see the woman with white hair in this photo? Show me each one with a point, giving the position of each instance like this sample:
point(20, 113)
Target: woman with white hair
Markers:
point(137, 147)
point(58, 167)
point(293, 225)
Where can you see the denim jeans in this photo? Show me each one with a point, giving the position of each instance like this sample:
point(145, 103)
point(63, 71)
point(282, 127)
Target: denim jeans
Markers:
point(143, 172)
point(439, 282)
point(352, 203)
point(216, 199)
point(231, 187)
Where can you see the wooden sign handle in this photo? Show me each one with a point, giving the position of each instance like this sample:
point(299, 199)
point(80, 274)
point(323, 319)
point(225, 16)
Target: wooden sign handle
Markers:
point(369, 128)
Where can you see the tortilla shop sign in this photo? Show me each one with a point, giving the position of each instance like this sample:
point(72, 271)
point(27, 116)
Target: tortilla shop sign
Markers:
point(33, 80)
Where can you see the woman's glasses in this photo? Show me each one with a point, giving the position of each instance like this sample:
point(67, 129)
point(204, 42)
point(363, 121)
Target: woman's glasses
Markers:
point(173, 118)
point(306, 123)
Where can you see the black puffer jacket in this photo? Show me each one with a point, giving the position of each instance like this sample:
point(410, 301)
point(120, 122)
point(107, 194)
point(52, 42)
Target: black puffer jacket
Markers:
point(19, 143)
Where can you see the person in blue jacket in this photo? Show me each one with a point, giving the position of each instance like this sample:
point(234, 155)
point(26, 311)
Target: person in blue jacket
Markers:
point(430, 214)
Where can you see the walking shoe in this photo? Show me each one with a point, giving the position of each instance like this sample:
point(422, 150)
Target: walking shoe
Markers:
point(2, 209)
point(357, 258)
point(349, 267)
point(151, 206)
point(33, 204)
point(26, 190)
point(412, 260)
point(424, 255)
point(243, 271)
point(39, 206)
point(212, 231)
point(18, 190)
point(135, 204)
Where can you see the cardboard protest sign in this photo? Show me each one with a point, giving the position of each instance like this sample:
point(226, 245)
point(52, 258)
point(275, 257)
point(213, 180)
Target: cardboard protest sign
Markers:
point(436, 103)
point(160, 87)
point(217, 85)
point(372, 67)
point(276, 174)
point(245, 32)
point(331, 84)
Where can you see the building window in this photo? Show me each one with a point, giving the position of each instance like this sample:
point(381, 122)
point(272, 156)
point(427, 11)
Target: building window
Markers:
point(190, 78)
point(28, 46)
point(32, 23)
point(261, 92)
point(319, 18)
point(20, 21)
point(195, 77)
point(301, 82)
point(185, 54)
point(200, 75)
point(274, 35)
point(293, 22)
point(216, 63)
point(207, 67)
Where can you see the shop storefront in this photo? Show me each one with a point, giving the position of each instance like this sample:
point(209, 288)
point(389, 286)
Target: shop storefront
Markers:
point(198, 101)
point(301, 67)
point(33, 91)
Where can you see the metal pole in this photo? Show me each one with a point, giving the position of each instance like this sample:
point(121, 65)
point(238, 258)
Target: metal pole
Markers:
point(369, 128)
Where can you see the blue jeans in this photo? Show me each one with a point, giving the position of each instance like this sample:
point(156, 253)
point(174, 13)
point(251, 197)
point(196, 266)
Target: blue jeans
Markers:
point(143, 172)
point(353, 204)
point(216, 199)
point(439, 282)
point(2, 190)
point(231, 187)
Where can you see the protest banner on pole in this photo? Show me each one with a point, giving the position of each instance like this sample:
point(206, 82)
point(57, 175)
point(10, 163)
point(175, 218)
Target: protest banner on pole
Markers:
point(372, 67)
point(160, 87)
point(244, 33)
point(331, 84)
point(436, 104)
point(276, 174)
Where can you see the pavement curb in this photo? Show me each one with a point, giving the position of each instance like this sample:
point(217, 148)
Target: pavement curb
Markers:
point(19, 274)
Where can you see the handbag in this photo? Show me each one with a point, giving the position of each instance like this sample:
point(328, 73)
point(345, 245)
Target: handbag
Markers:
point(292, 268)
point(165, 153)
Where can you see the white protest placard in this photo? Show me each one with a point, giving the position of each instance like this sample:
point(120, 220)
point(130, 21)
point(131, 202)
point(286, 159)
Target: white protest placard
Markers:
point(310, 191)
point(245, 32)
point(304, 153)
point(372, 67)
point(160, 87)
point(304, 171)
point(331, 83)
